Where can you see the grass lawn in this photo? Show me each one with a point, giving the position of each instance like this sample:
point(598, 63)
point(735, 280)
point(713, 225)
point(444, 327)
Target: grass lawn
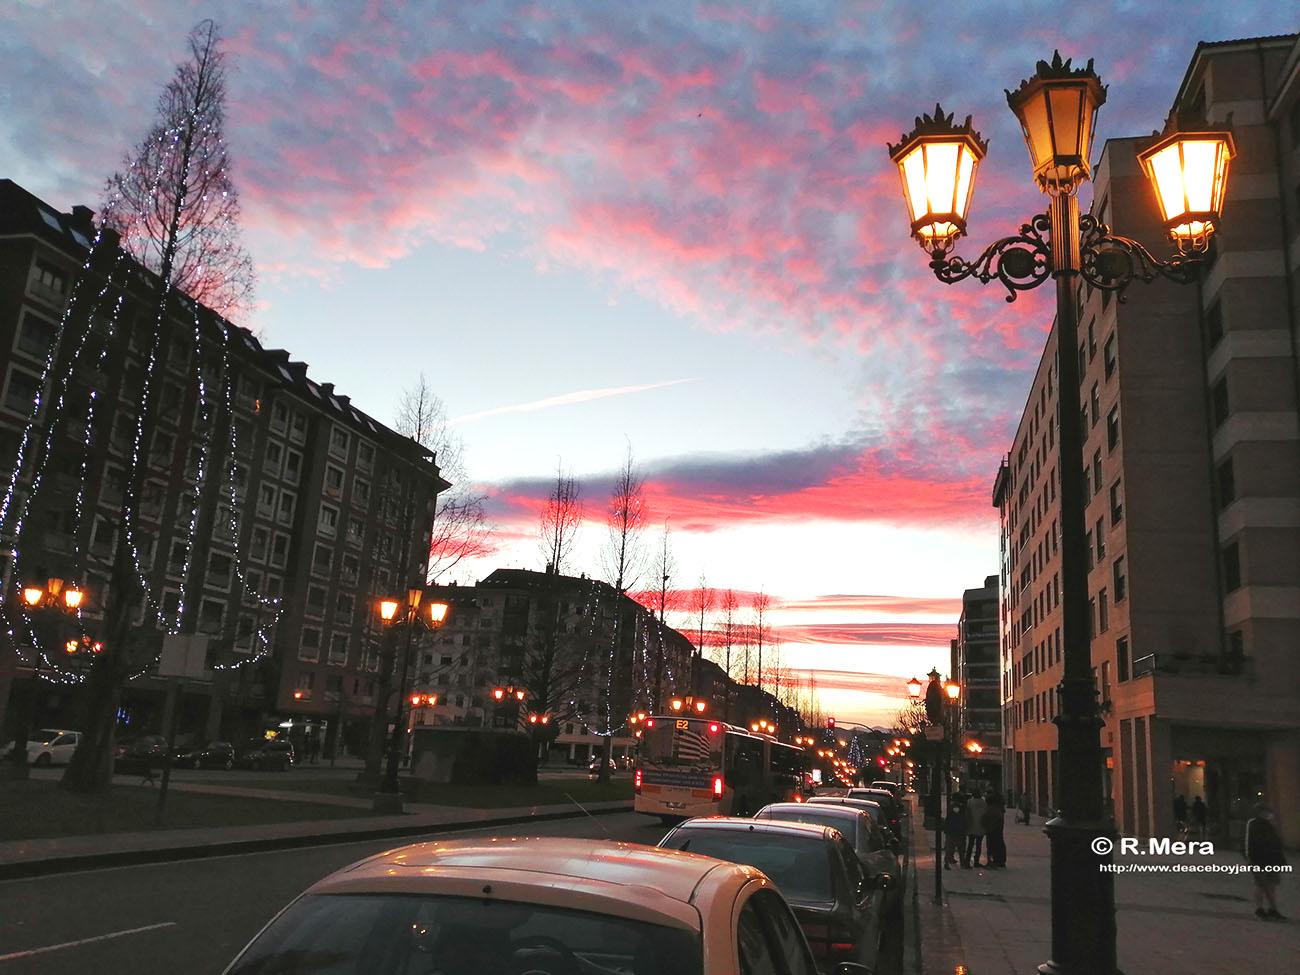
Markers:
point(33, 809)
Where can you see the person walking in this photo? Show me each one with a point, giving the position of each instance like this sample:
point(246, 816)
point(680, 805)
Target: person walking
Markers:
point(974, 830)
point(1199, 815)
point(994, 824)
point(1264, 850)
point(1025, 806)
point(954, 830)
point(1180, 813)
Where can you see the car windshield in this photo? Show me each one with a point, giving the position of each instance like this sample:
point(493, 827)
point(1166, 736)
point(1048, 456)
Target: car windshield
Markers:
point(799, 865)
point(402, 934)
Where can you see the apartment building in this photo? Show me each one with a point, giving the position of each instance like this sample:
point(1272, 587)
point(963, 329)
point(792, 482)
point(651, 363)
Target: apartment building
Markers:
point(1192, 467)
point(274, 512)
point(975, 666)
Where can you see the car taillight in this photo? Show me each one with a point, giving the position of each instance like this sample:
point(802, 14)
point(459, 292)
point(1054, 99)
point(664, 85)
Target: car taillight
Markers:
point(717, 787)
point(636, 781)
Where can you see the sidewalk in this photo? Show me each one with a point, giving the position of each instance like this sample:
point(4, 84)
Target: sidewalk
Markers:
point(35, 857)
point(998, 922)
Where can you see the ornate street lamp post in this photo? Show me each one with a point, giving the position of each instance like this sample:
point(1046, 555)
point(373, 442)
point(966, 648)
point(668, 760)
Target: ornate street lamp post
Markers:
point(389, 797)
point(1187, 167)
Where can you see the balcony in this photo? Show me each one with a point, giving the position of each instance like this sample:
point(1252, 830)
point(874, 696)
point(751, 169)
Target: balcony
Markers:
point(1194, 665)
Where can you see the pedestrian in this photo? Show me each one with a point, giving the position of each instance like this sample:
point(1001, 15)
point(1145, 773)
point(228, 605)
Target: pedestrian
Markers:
point(1199, 814)
point(1180, 813)
point(994, 824)
point(974, 830)
point(1024, 807)
point(954, 830)
point(1263, 851)
point(313, 748)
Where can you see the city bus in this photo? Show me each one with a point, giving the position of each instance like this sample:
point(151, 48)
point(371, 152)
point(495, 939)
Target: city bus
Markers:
point(701, 767)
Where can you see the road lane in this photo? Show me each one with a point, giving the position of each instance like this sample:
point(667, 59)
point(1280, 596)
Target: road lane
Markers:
point(211, 907)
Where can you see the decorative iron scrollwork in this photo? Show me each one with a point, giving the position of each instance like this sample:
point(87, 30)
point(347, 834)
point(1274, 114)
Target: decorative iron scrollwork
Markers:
point(1111, 263)
point(1106, 261)
point(1021, 262)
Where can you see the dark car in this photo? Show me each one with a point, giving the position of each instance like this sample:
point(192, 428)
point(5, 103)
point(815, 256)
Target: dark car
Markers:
point(215, 754)
point(815, 869)
point(267, 754)
point(869, 843)
point(892, 807)
point(140, 754)
point(878, 816)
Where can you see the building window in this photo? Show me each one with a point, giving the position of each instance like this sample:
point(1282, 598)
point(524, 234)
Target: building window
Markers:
point(1094, 400)
point(1112, 428)
point(48, 283)
point(328, 524)
point(1108, 355)
point(1231, 568)
point(1119, 579)
point(356, 530)
point(22, 392)
point(343, 604)
point(339, 649)
point(1092, 340)
point(266, 500)
point(36, 337)
point(285, 513)
point(316, 600)
point(322, 559)
point(340, 439)
point(1101, 539)
point(309, 646)
point(1096, 469)
point(279, 549)
point(211, 614)
point(1123, 665)
point(333, 481)
point(351, 567)
point(1227, 484)
point(1214, 324)
point(298, 427)
point(257, 548)
point(1103, 612)
point(274, 458)
point(1219, 401)
point(365, 455)
point(279, 417)
point(1116, 503)
point(292, 466)
point(220, 569)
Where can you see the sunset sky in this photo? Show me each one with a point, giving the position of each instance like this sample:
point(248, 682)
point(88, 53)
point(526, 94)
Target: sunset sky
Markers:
point(672, 227)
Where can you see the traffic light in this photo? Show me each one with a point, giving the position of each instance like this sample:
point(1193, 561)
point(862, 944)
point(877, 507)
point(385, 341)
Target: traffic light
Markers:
point(830, 722)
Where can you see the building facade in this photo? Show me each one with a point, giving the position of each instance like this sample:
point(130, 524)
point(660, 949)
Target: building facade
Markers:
point(272, 513)
point(1192, 457)
point(975, 666)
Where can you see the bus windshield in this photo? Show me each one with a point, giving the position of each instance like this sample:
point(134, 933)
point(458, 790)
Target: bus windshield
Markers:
point(681, 743)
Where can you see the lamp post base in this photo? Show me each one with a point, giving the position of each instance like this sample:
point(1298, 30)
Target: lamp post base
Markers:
point(1083, 899)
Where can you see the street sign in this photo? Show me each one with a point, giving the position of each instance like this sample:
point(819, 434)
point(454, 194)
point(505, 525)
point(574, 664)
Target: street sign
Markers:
point(933, 732)
point(184, 655)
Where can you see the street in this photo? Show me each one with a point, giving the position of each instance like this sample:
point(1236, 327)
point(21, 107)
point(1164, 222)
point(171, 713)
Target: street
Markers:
point(193, 916)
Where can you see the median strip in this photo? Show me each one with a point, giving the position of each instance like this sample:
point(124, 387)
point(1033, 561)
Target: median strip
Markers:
point(85, 941)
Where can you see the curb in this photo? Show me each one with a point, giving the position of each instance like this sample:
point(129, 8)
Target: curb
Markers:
point(47, 866)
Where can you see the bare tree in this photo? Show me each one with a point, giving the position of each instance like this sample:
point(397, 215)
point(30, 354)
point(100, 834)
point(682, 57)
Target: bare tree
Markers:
point(664, 566)
point(460, 526)
point(623, 563)
point(173, 203)
point(762, 631)
point(702, 601)
point(729, 627)
point(176, 211)
point(561, 519)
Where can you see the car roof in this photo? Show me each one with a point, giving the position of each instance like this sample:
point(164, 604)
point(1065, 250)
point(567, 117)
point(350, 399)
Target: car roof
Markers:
point(605, 876)
point(842, 810)
point(744, 824)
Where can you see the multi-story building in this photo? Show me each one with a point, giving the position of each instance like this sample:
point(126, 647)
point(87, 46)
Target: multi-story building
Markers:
point(273, 512)
point(1191, 419)
point(975, 666)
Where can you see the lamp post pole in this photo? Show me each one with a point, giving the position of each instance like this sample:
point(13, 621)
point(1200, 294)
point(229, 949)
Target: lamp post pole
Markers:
point(1187, 167)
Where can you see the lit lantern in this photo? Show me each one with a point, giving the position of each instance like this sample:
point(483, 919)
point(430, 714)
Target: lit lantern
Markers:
point(1057, 109)
point(937, 163)
point(1188, 169)
point(437, 613)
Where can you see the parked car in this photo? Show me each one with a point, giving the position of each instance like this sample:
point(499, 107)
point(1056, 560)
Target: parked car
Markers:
point(815, 869)
point(869, 843)
point(893, 788)
point(878, 816)
point(140, 754)
point(267, 754)
point(47, 746)
point(215, 754)
point(547, 906)
point(593, 769)
point(892, 807)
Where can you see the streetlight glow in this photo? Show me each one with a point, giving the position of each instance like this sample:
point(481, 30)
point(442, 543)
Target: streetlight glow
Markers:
point(1189, 173)
point(937, 162)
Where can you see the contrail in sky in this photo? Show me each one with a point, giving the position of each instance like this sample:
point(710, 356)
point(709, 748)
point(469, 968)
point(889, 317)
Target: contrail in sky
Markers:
point(567, 399)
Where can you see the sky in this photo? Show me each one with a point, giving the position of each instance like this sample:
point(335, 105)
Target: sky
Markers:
point(668, 228)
